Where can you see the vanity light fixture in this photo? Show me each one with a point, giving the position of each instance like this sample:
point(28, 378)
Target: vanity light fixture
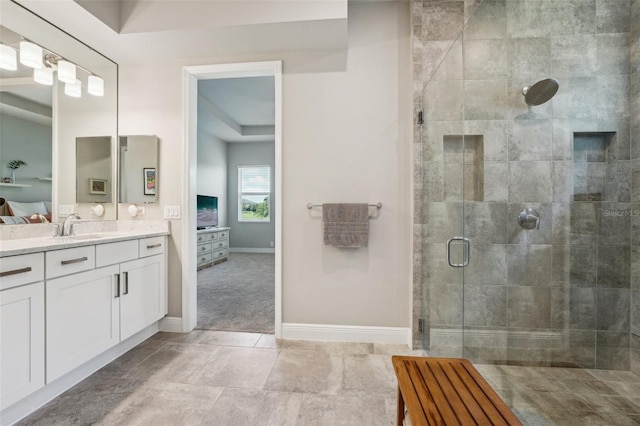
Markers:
point(43, 75)
point(30, 54)
point(8, 58)
point(73, 89)
point(95, 85)
point(66, 72)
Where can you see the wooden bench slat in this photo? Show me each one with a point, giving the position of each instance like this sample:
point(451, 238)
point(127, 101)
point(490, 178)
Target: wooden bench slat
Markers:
point(466, 395)
point(447, 391)
point(437, 402)
point(496, 401)
point(410, 396)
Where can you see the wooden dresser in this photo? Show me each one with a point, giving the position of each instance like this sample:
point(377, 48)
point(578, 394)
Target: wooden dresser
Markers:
point(213, 246)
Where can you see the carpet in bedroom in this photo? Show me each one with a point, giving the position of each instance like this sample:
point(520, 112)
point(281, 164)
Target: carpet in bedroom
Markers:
point(238, 295)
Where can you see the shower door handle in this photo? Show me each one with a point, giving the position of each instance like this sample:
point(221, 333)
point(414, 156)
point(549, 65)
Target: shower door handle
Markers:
point(466, 254)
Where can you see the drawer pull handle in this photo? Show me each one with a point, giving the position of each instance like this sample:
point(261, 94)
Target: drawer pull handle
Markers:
point(220, 244)
point(15, 271)
point(78, 260)
point(152, 246)
point(203, 259)
point(126, 283)
point(117, 276)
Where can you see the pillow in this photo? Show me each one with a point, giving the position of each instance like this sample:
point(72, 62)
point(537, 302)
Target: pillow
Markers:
point(26, 209)
point(47, 205)
point(13, 220)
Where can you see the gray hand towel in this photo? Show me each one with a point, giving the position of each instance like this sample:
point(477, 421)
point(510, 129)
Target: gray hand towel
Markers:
point(346, 224)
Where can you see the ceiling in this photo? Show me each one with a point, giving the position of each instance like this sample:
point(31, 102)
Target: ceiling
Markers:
point(237, 109)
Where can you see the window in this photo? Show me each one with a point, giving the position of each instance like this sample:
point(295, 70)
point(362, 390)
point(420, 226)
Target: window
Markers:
point(254, 194)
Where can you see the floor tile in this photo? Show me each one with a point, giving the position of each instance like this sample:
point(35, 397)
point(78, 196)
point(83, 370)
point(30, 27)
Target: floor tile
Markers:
point(306, 371)
point(334, 348)
point(369, 375)
point(332, 410)
point(239, 367)
point(228, 338)
point(254, 407)
point(267, 341)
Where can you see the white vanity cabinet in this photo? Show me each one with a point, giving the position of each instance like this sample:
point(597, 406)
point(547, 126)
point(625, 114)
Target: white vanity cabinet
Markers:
point(82, 318)
point(91, 311)
point(21, 327)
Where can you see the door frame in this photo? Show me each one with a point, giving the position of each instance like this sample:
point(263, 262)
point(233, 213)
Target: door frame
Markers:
point(190, 77)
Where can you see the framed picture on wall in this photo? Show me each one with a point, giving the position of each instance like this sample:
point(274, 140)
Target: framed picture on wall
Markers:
point(97, 186)
point(149, 180)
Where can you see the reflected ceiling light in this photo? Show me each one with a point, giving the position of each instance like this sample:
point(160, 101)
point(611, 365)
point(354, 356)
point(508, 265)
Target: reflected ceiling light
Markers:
point(43, 75)
point(95, 85)
point(30, 54)
point(8, 57)
point(73, 89)
point(66, 72)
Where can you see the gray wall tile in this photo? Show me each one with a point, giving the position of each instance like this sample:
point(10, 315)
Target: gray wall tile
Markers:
point(485, 99)
point(530, 140)
point(489, 21)
point(529, 58)
point(573, 56)
point(485, 306)
point(443, 20)
point(529, 264)
point(613, 309)
point(529, 307)
point(614, 267)
point(487, 266)
point(613, 54)
point(485, 60)
point(612, 16)
point(530, 181)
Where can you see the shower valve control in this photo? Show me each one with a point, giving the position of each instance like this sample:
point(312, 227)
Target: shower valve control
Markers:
point(529, 218)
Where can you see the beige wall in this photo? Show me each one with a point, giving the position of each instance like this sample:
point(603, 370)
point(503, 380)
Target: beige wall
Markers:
point(346, 138)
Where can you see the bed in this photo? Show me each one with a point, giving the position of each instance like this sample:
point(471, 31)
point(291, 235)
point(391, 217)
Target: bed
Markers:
point(18, 212)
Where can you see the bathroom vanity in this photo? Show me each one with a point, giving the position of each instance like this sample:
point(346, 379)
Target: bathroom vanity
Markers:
point(69, 305)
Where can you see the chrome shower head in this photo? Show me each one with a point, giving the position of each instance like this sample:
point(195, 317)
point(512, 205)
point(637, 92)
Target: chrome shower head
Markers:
point(540, 92)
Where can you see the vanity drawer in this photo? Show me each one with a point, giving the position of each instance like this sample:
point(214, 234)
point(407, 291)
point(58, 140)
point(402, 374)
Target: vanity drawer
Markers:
point(151, 246)
point(70, 261)
point(204, 237)
point(22, 269)
point(108, 254)
point(223, 234)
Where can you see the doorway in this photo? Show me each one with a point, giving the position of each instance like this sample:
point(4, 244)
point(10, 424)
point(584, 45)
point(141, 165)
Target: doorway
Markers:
point(192, 75)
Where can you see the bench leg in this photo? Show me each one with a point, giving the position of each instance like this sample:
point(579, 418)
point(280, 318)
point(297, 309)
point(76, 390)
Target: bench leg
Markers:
point(400, 409)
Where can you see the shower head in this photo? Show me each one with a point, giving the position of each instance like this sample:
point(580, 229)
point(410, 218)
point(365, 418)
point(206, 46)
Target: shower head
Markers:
point(540, 92)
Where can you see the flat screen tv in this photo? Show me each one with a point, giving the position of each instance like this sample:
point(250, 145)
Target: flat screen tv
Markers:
point(207, 211)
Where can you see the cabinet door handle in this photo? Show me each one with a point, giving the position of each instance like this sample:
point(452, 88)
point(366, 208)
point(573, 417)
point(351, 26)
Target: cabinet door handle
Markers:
point(15, 271)
point(78, 260)
point(154, 246)
point(126, 283)
point(117, 276)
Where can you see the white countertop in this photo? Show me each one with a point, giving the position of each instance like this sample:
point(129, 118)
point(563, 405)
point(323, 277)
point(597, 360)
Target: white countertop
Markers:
point(86, 234)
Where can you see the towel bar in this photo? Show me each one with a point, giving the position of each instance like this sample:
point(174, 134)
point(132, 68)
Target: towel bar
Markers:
point(311, 205)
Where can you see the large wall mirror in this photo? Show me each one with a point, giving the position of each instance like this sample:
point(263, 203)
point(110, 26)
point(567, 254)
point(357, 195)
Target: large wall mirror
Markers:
point(138, 169)
point(45, 121)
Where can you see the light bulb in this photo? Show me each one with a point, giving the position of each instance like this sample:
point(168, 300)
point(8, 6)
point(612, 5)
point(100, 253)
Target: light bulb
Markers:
point(8, 58)
point(95, 85)
point(43, 76)
point(73, 89)
point(97, 210)
point(66, 72)
point(30, 54)
point(133, 210)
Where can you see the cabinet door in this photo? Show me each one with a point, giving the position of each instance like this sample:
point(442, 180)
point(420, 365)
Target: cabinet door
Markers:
point(143, 294)
point(21, 342)
point(82, 318)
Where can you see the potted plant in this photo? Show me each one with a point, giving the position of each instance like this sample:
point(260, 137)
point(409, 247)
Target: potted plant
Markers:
point(13, 165)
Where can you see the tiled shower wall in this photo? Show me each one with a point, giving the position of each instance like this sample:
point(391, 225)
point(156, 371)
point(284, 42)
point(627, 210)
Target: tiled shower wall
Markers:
point(635, 184)
point(561, 294)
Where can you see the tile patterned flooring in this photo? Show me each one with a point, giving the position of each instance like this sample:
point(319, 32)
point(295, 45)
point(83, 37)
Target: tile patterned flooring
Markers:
point(244, 379)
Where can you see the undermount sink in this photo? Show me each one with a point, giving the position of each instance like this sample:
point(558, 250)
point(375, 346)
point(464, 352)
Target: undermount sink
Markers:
point(80, 237)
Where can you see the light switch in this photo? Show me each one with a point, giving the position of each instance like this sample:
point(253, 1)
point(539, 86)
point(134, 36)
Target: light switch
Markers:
point(172, 212)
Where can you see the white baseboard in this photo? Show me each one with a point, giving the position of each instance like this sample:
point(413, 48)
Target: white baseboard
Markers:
point(31, 403)
point(171, 324)
point(347, 333)
point(251, 250)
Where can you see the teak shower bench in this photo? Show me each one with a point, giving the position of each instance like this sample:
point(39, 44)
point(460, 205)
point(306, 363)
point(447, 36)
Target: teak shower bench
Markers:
point(447, 391)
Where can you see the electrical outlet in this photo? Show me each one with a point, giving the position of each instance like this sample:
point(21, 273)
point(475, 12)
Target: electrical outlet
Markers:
point(142, 210)
point(65, 210)
point(271, 244)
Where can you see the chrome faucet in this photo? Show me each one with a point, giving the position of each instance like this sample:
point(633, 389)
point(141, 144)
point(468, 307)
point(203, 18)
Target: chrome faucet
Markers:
point(66, 225)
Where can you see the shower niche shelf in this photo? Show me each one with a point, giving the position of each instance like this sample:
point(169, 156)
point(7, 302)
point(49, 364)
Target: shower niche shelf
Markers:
point(463, 173)
point(595, 176)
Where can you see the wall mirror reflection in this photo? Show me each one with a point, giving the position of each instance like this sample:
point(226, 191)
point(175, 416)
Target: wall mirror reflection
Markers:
point(53, 90)
point(138, 159)
point(93, 170)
